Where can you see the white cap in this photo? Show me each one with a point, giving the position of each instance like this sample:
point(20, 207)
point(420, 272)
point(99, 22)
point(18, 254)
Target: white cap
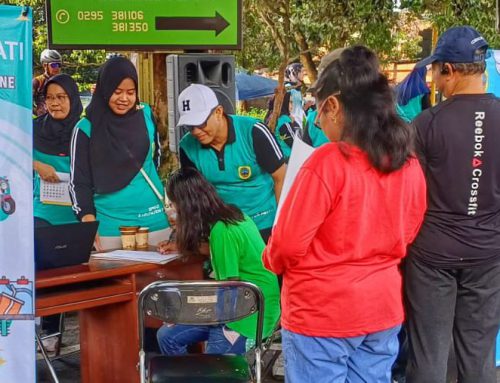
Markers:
point(195, 104)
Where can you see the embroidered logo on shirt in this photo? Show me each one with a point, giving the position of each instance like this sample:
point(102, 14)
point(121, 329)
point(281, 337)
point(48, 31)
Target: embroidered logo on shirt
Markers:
point(244, 172)
point(284, 137)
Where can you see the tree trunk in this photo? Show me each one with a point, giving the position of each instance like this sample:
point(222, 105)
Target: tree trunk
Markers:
point(168, 159)
point(278, 96)
point(306, 56)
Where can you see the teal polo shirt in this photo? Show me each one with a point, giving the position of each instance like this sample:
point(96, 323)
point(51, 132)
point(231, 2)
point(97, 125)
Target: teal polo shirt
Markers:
point(314, 136)
point(241, 170)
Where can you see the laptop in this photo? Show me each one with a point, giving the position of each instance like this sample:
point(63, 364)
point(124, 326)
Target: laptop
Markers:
point(64, 245)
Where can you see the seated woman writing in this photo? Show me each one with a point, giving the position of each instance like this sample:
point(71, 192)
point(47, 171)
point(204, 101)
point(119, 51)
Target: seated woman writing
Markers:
point(235, 250)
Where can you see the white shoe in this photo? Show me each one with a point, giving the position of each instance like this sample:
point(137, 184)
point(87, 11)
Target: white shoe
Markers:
point(51, 344)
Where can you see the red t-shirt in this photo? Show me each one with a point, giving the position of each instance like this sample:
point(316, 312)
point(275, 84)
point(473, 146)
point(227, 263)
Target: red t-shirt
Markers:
point(339, 239)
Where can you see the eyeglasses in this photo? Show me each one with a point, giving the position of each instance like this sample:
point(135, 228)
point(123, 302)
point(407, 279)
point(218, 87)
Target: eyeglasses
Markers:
point(60, 98)
point(321, 107)
point(55, 65)
point(190, 128)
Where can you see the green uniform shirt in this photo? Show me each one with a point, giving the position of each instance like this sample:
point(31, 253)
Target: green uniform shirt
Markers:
point(235, 171)
point(284, 134)
point(54, 214)
point(316, 135)
point(136, 204)
point(236, 252)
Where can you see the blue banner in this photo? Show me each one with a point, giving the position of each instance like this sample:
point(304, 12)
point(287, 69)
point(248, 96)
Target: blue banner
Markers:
point(493, 72)
point(17, 327)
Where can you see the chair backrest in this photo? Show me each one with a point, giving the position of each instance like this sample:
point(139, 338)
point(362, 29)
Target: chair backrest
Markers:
point(202, 302)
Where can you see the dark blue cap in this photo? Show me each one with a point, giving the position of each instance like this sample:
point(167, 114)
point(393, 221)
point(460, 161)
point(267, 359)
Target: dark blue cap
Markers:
point(457, 45)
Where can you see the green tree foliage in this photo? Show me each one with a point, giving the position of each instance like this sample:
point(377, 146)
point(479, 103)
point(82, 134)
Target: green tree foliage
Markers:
point(259, 48)
point(81, 64)
point(328, 24)
point(448, 13)
point(391, 32)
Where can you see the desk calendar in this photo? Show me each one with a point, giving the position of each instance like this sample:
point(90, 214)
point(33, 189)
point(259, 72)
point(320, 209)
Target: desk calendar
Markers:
point(56, 193)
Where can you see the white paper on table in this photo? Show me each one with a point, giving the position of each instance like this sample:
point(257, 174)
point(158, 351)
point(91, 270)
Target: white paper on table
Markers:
point(138, 256)
point(299, 154)
point(56, 193)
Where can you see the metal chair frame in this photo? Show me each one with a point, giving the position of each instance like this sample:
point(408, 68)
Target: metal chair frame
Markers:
point(272, 345)
point(153, 290)
point(48, 359)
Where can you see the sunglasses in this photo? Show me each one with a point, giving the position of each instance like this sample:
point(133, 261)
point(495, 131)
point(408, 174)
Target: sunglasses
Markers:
point(190, 128)
point(55, 65)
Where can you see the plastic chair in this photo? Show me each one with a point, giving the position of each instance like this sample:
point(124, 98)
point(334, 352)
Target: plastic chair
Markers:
point(201, 303)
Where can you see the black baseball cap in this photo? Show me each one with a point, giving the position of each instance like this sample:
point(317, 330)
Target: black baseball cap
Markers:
point(457, 45)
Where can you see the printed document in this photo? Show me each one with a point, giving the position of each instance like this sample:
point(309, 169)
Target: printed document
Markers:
point(300, 153)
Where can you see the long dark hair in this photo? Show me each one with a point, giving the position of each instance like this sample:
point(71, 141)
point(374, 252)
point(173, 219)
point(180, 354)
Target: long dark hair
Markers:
point(198, 208)
point(370, 118)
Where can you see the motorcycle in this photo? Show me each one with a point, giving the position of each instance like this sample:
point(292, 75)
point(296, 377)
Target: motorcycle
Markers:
point(7, 203)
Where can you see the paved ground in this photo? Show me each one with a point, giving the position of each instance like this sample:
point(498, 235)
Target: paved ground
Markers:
point(68, 367)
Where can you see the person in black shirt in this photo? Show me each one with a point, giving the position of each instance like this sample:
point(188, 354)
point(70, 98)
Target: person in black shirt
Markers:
point(452, 276)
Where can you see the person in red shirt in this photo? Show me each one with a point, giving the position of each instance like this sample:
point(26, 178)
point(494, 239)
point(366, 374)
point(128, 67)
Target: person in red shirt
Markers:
point(339, 251)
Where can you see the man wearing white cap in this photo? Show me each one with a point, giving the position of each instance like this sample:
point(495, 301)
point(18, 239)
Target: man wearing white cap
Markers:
point(237, 154)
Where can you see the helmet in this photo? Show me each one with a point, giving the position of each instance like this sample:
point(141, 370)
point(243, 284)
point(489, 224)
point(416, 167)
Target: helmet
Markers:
point(292, 72)
point(50, 56)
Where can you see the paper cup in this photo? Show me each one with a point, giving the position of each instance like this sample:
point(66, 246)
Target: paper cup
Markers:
point(128, 241)
point(142, 238)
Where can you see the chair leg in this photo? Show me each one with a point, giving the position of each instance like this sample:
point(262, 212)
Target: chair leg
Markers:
point(47, 359)
point(60, 335)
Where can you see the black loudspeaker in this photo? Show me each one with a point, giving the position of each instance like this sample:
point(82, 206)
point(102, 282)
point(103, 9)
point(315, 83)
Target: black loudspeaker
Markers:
point(426, 43)
point(215, 71)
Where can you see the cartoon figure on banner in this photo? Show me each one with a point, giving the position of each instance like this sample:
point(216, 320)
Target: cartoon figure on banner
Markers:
point(7, 203)
point(16, 299)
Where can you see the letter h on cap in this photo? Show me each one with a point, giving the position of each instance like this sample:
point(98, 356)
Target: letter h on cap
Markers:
point(185, 106)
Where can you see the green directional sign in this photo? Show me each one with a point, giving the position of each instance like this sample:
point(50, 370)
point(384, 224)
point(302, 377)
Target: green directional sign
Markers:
point(144, 24)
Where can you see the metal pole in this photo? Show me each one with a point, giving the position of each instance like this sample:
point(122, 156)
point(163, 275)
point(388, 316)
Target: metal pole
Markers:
point(433, 84)
point(498, 16)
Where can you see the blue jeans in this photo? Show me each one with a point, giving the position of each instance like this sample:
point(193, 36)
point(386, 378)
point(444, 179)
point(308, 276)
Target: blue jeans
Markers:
point(362, 359)
point(173, 340)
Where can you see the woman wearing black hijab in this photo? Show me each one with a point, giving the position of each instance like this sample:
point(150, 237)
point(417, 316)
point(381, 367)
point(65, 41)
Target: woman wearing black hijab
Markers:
point(51, 144)
point(115, 155)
